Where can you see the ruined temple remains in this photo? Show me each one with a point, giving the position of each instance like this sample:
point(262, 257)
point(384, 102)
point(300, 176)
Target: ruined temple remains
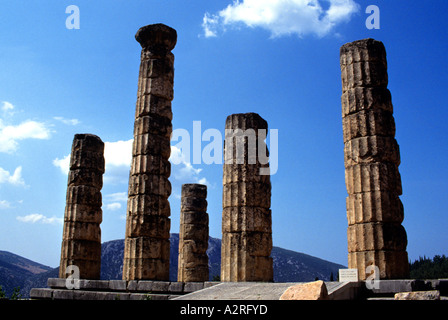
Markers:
point(147, 244)
point(246, 215)
point(81, 240)
point(193, 234)
point(374, 210)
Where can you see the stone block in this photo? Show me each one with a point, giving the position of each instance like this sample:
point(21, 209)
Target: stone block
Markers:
point(306, 291)
point(198, 233)
point(364, 99)
point(85, 195)
point(144, 204)
point(160, 286)
point(151, 104)
point(150, 164)
point(193, 286)
point(374, 206)
point(250, 219)
point(83, 213)
point(78, 230)
point(145, 269)
point(391, 264)
point(194, 217)
point(41, 293)
point(369, 177)
point(250, 194)
point(160, 87)
point(88, 177)
point(418, 295)
point(194, 190)
point(117, 285)
point(362, 50)
point(153, 124)
point(176, 287)
point(147, 248)
point(193, 204)
point(145, 184)
point(365, 123)
point(145, 285)
point(147, 225)
point(364, 74)
point(371, 149)
point(151, 144)
point(376, 236)
point(245, 173)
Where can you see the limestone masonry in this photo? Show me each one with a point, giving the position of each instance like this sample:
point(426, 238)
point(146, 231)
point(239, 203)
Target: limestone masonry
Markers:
point(81, 240)
point(246, 215)
point(374, 210)
point(193, 234)
point(147, 245)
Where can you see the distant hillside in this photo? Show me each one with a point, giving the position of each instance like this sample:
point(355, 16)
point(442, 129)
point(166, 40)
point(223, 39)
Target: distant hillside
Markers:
point(289, 266)
point(16, 270)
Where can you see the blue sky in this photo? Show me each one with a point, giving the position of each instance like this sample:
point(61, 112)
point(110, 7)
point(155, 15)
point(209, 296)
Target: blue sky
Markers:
point(277, 58)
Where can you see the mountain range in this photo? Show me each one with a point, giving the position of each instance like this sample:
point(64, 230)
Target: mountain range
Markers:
point(289, 266)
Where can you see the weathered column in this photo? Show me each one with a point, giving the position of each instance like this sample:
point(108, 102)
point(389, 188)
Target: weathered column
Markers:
point(193, 234)
point(246, 216)
point(81, 240)
point(374, 210)
point(147, 244)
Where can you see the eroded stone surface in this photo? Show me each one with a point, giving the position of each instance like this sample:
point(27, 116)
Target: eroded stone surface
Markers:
point(81, 239)
point(146, 254)
point(372, 156)
point(193, 234)
point(246, 217)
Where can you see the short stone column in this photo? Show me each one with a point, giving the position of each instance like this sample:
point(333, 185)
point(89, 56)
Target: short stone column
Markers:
point(81, 240)
point(374, 210)
point(147, 240)
point(246, 216)
point(193, 234)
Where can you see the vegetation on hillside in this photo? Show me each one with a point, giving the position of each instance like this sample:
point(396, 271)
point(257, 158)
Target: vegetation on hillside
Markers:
point(426, 268)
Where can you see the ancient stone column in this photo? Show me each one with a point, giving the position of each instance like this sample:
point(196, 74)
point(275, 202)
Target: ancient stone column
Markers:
point(374, 209)
point(81, 240)
point(193, 234)
point(246, 216)
point(147, 244)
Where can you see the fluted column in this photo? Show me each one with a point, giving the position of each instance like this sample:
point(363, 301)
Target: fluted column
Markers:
point(374, 210)
point(193, 234)
point(147, 244)
point(81, 240)
point(246, 216)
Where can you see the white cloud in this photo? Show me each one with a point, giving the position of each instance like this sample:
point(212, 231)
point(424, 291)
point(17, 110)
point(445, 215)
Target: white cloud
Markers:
point(7, 106)
point(113, 206)
point(11, 134)
point(282, 17)
point(36, 217)
point(184, 170)
point(118, 154)
point(14, 179)
point(5, 204)
point(63, 164)
point(116, 197)
point(71, 122)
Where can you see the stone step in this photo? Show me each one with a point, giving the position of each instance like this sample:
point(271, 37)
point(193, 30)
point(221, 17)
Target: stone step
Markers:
point(82, 289)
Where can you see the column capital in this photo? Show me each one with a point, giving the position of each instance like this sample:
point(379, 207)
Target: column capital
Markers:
point(157, 36)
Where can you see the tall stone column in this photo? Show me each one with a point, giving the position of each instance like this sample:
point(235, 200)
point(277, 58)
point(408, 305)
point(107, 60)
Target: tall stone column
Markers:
point(246, 216)
point(374, 209)
point(147, 244)
point(81, 240)
point(193, 234)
